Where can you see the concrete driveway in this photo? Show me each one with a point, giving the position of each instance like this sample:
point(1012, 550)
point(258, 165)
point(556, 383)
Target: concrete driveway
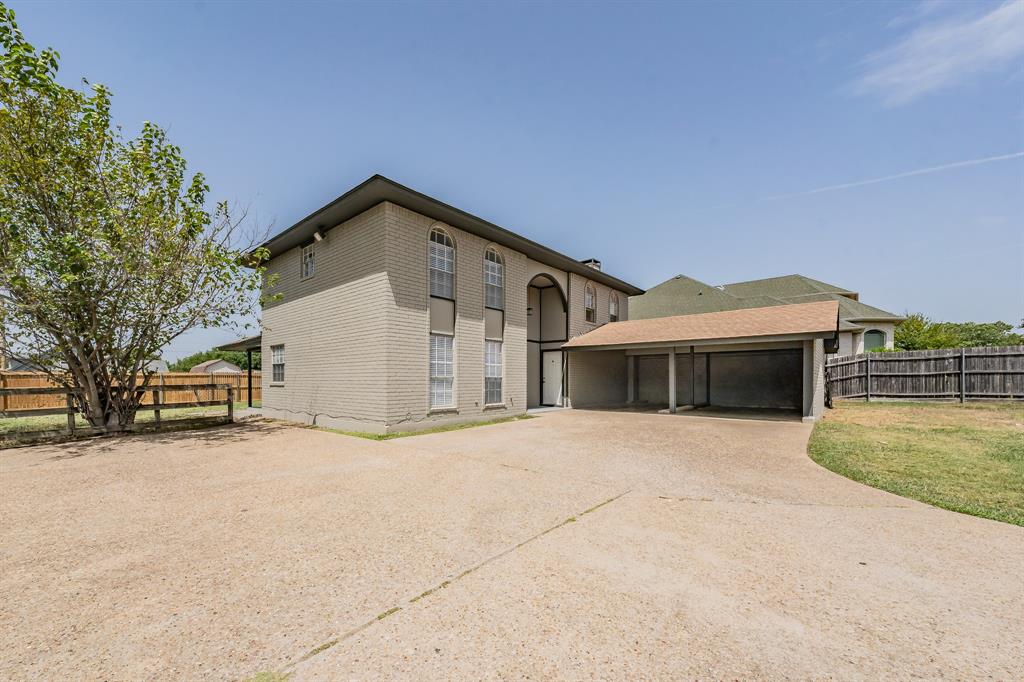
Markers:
point(573, 545)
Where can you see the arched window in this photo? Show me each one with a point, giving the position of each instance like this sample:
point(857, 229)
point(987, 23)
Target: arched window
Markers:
point(590, 303)
point(441, 263)
point(613, 307)
point(874, 338)
point(494, 325)
point(494, 280)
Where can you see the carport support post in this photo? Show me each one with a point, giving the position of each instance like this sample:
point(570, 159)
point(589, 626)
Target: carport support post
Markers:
point(630, 378)
point(693, 377)
point(672, 380)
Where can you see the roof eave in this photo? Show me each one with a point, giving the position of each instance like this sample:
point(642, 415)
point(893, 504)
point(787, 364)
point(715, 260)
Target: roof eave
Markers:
point(248, 343)
point(378, 189)
point(765, 338)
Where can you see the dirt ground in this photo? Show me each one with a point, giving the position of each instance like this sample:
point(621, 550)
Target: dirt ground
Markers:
point(574, 545)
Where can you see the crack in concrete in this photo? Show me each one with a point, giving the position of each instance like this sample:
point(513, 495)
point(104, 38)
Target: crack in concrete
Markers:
point(445, 583)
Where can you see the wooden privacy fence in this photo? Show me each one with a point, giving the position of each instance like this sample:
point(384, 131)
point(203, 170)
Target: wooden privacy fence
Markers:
point(995, 372)
point(176, 387)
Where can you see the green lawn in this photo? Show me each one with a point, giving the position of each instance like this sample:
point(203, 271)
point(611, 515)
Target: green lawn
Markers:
point(60, 421)
point(967, 458)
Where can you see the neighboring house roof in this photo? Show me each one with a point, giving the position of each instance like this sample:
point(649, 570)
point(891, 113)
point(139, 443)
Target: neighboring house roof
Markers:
point(378, 188)
point(204, 367)
point(683, 295)
point(784, 287)
point(849, 309)
point(817, 320)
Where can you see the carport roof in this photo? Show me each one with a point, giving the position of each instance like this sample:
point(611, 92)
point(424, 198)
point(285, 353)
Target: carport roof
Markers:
point(806, 320)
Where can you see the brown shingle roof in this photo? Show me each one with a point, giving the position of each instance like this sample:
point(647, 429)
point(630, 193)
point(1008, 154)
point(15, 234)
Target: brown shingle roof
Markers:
point(819, 318)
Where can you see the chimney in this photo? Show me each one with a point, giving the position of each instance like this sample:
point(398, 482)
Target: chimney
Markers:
point(592, 263)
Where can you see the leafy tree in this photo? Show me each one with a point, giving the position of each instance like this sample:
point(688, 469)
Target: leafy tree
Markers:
point(107, 250)
point(918, 332)
point(232, 356)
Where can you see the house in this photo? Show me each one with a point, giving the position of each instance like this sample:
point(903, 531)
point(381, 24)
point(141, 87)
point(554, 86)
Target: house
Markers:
point(396, 311)
point(393, 311)
point(216, 366)
point(861, 327)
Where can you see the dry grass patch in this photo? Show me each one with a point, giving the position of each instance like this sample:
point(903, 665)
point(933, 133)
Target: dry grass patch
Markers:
point(966, 458)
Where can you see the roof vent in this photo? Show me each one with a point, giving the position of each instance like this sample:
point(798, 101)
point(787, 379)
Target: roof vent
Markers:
point(592, 263)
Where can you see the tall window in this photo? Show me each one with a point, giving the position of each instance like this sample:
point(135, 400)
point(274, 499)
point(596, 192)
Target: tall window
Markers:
point(874, 338)
point(613, 307)
point(492, 372)
point(277, 363)
point(442, 370)
point(308, 262)
point(494, 280)
point(442, 264)
point(589, 303)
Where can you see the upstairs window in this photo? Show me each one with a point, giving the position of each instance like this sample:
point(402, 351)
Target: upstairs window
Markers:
point(590, 303)
point(442, 264)
point(308, 262)
point(494, 280)
point(613, 307)
point(277, 363)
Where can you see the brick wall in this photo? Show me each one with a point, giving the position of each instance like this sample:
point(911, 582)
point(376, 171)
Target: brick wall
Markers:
point(597, 378)
point(331, 325)
point(408, 328)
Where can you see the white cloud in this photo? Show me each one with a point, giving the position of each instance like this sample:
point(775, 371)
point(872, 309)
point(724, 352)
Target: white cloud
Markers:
point(944, 53)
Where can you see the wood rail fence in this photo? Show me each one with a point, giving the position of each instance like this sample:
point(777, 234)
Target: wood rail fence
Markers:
point(176, 387)
point(156, 403)
point(988, 373)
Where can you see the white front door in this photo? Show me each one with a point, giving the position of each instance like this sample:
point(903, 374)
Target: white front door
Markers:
point(551, 389)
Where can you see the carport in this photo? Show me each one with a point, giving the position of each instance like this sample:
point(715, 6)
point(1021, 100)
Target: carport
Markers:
point(760, 358)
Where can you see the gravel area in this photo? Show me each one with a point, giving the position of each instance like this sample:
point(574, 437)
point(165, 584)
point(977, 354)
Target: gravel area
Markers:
point(578, 544)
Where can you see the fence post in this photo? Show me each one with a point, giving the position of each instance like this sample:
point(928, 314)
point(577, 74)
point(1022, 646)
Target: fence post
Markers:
point(231, 404)
point(157, 400)
point(963, 374)
point(867, 377)
point(71, 413)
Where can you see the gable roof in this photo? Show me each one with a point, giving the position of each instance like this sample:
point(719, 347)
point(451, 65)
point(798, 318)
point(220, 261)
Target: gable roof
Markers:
point(378, 188)
point(815, 320)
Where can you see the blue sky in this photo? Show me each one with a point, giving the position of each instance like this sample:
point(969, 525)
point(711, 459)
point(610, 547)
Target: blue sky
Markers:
point(661, 138)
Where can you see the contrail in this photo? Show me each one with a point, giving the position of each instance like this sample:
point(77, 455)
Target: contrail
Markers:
point(919, 171)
